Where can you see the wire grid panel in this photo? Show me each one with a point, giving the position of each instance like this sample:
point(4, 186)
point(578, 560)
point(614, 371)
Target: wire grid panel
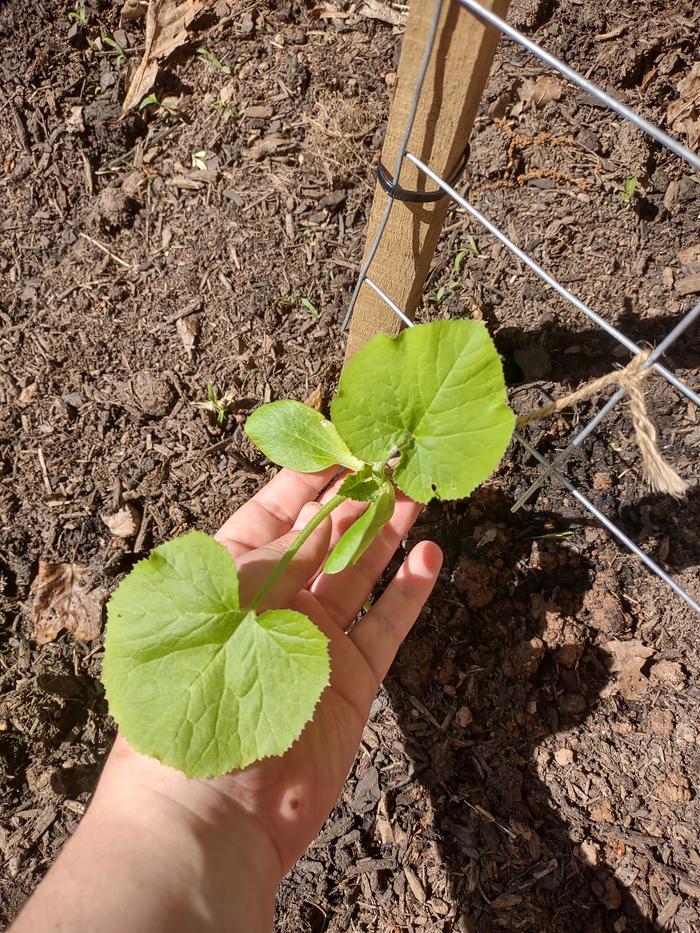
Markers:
point(550, 468)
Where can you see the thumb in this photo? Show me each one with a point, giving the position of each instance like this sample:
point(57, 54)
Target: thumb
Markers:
point(379, 634)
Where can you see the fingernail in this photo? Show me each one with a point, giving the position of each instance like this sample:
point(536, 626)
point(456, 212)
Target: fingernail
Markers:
point(305, 516)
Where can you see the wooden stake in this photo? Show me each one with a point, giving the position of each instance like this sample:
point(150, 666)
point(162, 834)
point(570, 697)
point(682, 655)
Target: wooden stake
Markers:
point(459, 66)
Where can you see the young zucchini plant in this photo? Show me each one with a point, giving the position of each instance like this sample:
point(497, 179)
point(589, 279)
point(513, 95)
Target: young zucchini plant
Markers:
point(206, 685)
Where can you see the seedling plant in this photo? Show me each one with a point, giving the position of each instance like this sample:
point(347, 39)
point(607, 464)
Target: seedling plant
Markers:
point(207, 685)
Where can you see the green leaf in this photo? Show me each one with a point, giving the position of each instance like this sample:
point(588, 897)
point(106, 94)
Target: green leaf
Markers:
point(629, 188)
point(353, 544)
point(362, 486)
point(147, 101)
point(440, 402)
point(310, 307)
point(194, 680)
point(293, 435)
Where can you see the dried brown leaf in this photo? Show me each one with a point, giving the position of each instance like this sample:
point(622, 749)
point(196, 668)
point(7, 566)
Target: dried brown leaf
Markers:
point(188, 329)
point(684, 114)
point(315, 400)
point(541, 91)
point(627, 660)
point(63, 600)
point(167, 22)
point(374, 9)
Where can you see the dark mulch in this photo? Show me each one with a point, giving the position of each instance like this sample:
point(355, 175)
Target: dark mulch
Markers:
point(507, 778)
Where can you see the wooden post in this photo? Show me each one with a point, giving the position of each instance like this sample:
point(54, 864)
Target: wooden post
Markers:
point(459, 66)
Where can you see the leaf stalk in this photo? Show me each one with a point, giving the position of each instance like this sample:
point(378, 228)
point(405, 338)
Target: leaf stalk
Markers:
point(294, 547)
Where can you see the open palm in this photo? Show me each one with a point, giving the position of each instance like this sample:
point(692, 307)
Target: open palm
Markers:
point(289, 797)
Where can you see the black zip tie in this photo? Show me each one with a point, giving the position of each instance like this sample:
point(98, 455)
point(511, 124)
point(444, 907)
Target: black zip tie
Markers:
point(418, 197)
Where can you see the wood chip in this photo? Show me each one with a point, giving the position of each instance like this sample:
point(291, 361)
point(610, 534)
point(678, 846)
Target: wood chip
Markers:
point(188, 329)
point(414, 884)
point(374, 9)
point(689, 255)
point(690, 285)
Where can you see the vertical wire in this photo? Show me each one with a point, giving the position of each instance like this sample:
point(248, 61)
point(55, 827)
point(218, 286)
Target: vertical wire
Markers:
point(427, 54)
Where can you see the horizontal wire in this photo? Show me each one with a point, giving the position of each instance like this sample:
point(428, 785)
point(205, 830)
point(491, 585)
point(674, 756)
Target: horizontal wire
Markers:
point(549, 279)
point(612, 527)
point(588, 86)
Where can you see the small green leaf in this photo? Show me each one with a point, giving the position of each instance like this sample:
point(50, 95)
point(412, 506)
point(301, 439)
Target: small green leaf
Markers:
point(310, 307)
point(147, 101)
point(353, 544)
point(293, 435)
point(209, 56)
point(362, 486)
point(440, 402)
point(436, 299)
point(629, 188)
point(194, 680)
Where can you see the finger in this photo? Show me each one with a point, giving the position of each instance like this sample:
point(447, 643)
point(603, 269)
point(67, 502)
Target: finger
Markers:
point(343, 594)
point(272, 511)
point(254, 567)
point(380, 633)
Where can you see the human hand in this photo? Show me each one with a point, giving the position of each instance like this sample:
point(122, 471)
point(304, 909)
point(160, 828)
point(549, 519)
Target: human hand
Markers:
point(289, 797)
point(157, 851)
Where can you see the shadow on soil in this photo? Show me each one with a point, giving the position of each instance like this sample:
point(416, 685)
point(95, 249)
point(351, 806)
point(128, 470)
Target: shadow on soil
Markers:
point(504, 646)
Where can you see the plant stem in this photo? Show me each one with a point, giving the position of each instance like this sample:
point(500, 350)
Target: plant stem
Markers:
point(288, 555)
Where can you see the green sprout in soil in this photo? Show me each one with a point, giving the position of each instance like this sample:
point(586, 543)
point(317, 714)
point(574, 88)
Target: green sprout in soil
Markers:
point(160, 106)
point(207, 685)
point(111, 43)
point(217, 404)
point(216, 63)
point(79, 15)
point(309, 306)
point(629, 189)
point(462, 254)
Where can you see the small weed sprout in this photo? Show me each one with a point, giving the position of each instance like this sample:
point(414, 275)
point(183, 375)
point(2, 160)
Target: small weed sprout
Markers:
point(111, 43)
point(216, 63)
point(79, 15)
point(218, 405)
point(160, 106)
point(309, 306)
point(629, 189)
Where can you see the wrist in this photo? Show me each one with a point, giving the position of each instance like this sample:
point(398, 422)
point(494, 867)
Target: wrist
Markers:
point(211, 859)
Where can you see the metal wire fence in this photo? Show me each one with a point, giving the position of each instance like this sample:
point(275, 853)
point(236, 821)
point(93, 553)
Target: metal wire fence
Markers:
point(551, 469)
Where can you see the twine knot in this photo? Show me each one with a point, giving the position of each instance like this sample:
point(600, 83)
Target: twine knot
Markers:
point(658, 473)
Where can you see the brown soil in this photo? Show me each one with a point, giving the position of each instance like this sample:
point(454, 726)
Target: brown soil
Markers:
point(510, 777)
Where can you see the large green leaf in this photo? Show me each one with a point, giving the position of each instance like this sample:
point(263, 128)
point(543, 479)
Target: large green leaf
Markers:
point(293, 435)
point(355, 541)
point(194, 680)
point(436, 394)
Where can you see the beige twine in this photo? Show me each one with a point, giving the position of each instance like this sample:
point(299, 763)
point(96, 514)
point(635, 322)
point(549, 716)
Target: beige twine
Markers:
point(659, 474)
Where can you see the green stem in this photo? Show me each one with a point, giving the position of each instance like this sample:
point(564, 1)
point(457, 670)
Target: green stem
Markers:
point(288, 555)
